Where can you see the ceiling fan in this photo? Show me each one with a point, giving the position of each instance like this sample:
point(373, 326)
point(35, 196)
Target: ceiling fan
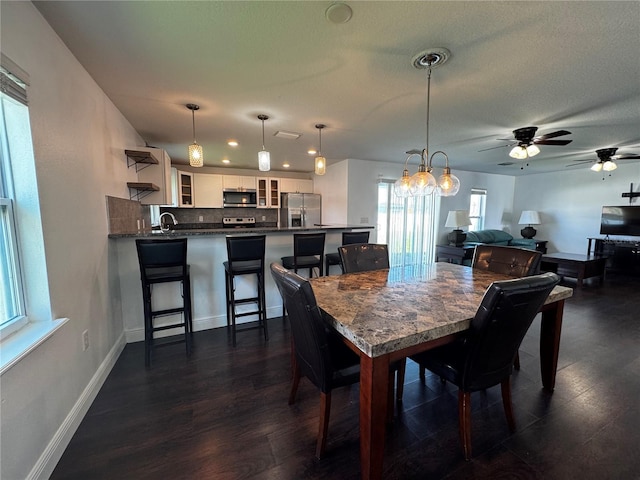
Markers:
point(526, 143)
point(607, 159)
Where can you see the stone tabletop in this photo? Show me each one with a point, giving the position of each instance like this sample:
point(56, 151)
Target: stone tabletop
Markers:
point(387, 310)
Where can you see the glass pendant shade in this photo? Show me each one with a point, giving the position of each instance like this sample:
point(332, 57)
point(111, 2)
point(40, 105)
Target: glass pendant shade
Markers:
point(518, 152)
point(532, 150)
point(597, 167)
point(402, 187)
point(264, 161)
point(196, 157)
point(320, 166)
point(422, 183)
point(448, 184)
point(264, 158)
point(609, 166)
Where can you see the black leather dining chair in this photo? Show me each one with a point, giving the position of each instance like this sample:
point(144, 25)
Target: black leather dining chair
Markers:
point(512, 261)
point(164, 261)
point(483, 356)
point(348, 238)
point(320, 355)
point(363, 257)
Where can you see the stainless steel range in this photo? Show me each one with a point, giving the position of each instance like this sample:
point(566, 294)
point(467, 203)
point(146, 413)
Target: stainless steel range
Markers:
point(238, 222)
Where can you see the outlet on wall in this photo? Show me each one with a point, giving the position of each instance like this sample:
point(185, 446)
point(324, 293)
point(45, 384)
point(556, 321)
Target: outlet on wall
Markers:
point(85, 340)
point(201, 218)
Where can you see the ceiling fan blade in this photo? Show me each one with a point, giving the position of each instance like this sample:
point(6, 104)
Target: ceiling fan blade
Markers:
point(559, 133)
point(578, 162)
point(493, 148)
point(552, 142)
point(628, 156)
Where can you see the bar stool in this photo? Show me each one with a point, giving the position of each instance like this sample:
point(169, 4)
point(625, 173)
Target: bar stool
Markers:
point(245, 257)
point(308, 252)
point(164, 261)
point(348, 238)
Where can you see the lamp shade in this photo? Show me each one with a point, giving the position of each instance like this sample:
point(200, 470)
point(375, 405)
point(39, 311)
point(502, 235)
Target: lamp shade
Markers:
point(457, 218)
point(529, 217)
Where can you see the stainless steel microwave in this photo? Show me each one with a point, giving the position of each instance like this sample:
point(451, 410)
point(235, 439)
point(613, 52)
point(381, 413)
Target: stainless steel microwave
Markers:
point(235, 198)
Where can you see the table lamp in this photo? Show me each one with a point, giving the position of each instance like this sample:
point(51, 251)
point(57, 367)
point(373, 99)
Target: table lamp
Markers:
point(529, 217)
point(457, 219)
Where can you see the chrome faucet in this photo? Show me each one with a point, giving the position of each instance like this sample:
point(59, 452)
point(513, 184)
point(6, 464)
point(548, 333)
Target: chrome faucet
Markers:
point(162, 227)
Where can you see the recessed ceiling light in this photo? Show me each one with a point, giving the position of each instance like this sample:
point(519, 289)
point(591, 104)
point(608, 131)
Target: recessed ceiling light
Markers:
point(226, 160)
point(285, 165)
point(288, 135)
point(232, 143)
point(311, 151)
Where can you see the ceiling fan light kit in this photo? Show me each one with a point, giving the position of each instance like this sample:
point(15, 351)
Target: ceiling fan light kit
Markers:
point(423, 183)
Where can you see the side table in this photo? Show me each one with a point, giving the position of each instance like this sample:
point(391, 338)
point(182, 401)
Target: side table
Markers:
point(453, 254)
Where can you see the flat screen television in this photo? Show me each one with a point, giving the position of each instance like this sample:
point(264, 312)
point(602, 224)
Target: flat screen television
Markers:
point(624, 220)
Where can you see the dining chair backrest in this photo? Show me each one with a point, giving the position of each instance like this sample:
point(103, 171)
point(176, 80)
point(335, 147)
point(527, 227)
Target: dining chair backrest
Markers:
point(361, 257)
point(513, 261)
point(499, 325)
point(162, 259)
point(309, 333)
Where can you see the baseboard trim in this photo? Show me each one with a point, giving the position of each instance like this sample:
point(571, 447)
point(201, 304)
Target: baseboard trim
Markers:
point(47, 462)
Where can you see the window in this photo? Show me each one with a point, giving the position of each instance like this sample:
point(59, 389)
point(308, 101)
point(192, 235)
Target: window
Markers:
point(476, 209)
point(12, 305)
point(406, 226)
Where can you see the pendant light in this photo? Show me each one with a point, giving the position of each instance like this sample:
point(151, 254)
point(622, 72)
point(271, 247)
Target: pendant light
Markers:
point(423, 182)
point(196, 156)
point(264, 158)
point(321, 162)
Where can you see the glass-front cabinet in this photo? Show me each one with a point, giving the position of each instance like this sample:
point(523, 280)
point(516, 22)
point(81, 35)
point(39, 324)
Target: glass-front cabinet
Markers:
point(185, 189)
point(268, 192)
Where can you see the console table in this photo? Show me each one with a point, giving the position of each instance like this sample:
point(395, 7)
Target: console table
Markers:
point(623, 255)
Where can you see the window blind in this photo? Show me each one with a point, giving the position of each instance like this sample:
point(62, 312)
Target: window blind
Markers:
point(13, 80)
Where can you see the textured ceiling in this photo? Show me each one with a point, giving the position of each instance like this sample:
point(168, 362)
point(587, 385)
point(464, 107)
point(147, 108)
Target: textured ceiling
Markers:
point(555, 65)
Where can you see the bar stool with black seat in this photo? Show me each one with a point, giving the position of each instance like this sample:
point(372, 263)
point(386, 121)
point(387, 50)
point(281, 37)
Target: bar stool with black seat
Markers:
point(308, 252)
point(164, 261)
point(348, 238)
point(245, 256)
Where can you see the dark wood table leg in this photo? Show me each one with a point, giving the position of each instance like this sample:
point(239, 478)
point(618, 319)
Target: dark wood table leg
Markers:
point(550, 342)
point(374, 384)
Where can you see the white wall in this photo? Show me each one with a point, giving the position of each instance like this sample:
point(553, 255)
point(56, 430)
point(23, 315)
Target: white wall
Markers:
point(79, 138)
point(333, 186)
point(570, 203)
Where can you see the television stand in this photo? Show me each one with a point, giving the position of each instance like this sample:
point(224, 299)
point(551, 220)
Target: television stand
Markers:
point(623, 256)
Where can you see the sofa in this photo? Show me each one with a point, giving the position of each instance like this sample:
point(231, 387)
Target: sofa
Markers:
point(498, 237)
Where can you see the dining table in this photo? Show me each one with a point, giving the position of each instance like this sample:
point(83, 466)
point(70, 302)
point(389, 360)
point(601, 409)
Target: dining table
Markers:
point(387, 315)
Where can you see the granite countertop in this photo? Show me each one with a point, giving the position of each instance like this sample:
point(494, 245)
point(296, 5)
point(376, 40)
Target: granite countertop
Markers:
point(190, 232)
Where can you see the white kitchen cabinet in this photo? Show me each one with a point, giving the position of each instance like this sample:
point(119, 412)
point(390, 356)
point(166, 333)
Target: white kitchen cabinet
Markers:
point(185, 189)
point(268, 192)
point(207, 190)
point(239, 182)
point(153, 173)
point(296, 185)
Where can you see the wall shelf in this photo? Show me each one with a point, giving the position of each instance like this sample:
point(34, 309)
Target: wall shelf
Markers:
point(138, 190)
point(140, 159)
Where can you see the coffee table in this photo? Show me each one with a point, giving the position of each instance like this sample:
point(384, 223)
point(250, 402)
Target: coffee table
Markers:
point(574, 265)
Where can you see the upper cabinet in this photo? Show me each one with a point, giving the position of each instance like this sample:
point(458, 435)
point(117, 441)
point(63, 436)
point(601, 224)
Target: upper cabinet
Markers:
point(296, 185)
point(185, 189)
point(239, 182)
point(207, 190)
point(268, 192)
point(154, 185)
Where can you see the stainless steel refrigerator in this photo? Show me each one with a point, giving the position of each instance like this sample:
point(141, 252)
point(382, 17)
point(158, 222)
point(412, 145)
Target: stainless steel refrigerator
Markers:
point(300, 210)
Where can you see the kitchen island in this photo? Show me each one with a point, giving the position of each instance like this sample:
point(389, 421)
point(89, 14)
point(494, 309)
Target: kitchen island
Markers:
point(206, 251)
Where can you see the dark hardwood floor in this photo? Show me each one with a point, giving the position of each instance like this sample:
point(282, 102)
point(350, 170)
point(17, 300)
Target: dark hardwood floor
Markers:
point(223, 413)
